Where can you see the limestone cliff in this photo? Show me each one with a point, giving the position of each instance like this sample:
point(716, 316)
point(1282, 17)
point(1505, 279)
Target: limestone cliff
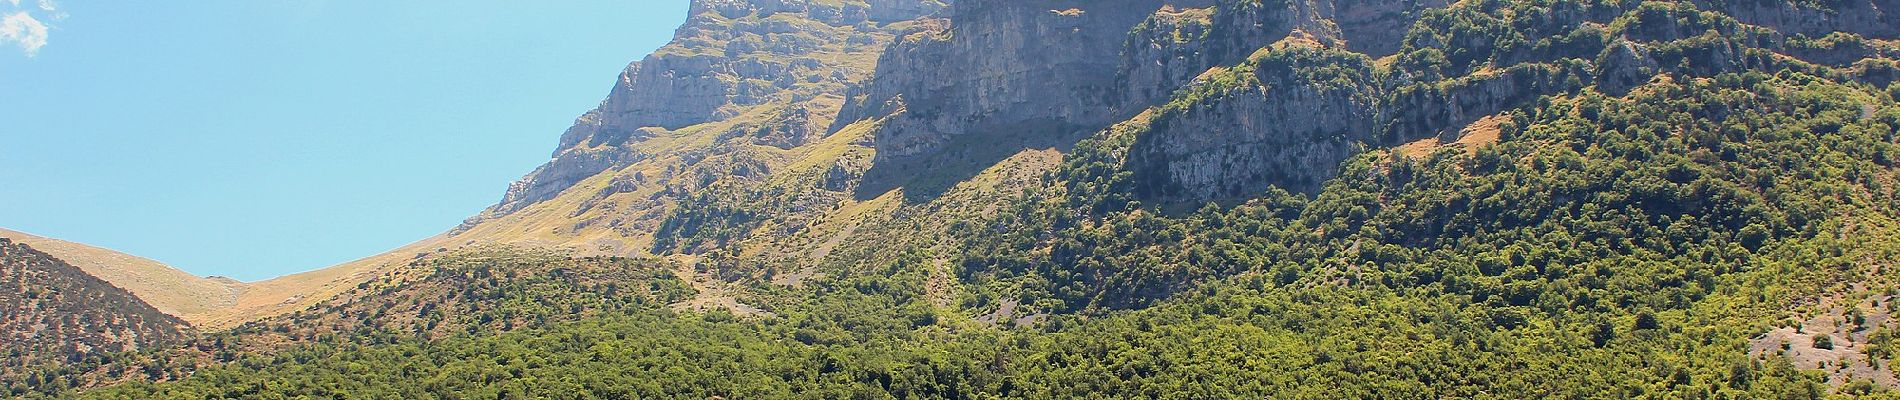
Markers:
point(999, 65)
point(729, 56)
point(1265, 124)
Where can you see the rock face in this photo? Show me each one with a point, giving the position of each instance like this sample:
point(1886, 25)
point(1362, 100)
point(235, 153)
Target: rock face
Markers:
point(51, 311)
point(1378, 27)
point(1000, 65)
point(729, 56)
point(1079, 66)
point(1047, 65)
point(1166, 49)
point(1082, 65)
point(1177, 44)
point(1265, 125)
point(1876, 18)
point(1626, 65)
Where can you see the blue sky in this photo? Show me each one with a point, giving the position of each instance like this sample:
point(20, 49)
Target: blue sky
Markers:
point(253, 139)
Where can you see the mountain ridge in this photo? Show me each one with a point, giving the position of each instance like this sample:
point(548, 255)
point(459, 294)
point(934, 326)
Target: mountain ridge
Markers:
point(1206, 199)
point(170, 290)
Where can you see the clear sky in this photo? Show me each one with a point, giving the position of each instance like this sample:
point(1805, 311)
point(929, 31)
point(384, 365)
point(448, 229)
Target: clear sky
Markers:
point(253, 139)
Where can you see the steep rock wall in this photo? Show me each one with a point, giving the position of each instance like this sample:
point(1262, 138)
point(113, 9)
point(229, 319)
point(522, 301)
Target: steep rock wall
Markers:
point(1267, 123)
point(996, 64)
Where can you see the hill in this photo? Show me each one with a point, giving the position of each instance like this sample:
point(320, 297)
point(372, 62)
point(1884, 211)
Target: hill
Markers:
point(180, 294)
point(53, 313)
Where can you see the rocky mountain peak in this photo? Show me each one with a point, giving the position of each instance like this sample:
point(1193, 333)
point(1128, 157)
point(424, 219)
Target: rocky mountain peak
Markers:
point(729, 57)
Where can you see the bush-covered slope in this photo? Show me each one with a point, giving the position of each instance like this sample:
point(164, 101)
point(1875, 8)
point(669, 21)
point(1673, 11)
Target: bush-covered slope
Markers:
point(467, 293)
point(54, 314)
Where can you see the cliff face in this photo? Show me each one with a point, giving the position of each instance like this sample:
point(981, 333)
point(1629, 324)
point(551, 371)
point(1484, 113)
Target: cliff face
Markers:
point(1267, 123)
point(999, 65)
point(1244, 126)
point(1877, 18)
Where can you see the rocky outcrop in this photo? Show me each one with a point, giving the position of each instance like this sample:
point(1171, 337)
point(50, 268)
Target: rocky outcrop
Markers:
point(1081, 65)
point(729, 56)
point(1267, 123)
point(1442, 109)
point(1872, 18)
point(786, 127)
point(998, 65)
point(567, 168)
point(1167, 49)
point(735, 53)
point(1625, 65)
point(1178, 43)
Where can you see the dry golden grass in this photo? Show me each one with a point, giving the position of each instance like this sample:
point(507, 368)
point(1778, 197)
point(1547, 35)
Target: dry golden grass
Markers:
point(181, 294)
point(216, 303)
point(1483, 132)
point(1417, 149)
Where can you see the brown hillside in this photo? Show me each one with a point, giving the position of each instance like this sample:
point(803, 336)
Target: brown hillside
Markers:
point(178, 293)
point(53, 312)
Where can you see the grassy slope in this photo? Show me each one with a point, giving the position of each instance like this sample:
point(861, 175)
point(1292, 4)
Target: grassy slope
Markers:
point(178, 293)
point(215, 303)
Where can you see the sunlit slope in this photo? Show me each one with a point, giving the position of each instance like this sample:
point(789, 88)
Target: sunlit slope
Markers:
point(291, 293)
point(192, 298)
point(215, 303)
point(753, 93)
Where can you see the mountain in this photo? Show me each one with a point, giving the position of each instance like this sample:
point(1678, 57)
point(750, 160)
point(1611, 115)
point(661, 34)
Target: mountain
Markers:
point(53, 313)
point(770, 75)
point(1147, 198)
